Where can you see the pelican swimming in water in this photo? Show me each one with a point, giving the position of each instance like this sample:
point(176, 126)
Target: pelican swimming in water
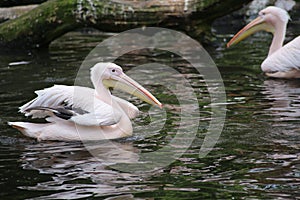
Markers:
point(282, 61)
point(81, 113)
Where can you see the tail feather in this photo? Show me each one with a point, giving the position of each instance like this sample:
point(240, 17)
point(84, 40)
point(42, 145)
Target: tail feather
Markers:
point(28, 129)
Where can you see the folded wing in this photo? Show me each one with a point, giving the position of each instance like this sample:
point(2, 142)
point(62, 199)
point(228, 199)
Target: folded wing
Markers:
point(285, 59)
point(72, 103)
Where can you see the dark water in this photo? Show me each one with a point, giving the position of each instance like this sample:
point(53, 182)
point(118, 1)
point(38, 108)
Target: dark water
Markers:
point(256, 157)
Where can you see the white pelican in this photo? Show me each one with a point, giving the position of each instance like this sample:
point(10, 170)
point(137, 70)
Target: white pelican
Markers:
point(81, 113)
point(282, 61)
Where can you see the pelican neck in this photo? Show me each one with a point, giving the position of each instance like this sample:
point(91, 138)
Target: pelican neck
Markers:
point(103, 93)
point(278, 38)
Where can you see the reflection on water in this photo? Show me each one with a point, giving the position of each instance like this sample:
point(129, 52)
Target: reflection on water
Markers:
point(284, 96)
point(77, 174)
point(257, 155)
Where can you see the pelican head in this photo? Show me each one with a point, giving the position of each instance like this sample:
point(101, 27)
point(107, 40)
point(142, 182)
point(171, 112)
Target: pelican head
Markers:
point(270, 19)
point(112, 75)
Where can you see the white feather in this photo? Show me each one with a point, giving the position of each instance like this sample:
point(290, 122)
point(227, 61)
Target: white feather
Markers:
point(93, 117)
point(284, 59)
point(99, 113)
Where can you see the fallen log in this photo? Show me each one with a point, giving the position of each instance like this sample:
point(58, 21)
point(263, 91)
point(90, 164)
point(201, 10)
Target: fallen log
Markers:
point(40, 26)
point(14, 12)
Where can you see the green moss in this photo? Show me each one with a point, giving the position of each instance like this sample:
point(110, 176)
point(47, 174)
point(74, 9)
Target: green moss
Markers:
point(41, 25)
point(50, 20)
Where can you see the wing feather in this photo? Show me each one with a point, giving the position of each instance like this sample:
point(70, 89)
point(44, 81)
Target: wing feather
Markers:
point(97, 113)
point(55, 96)
point(285, 59)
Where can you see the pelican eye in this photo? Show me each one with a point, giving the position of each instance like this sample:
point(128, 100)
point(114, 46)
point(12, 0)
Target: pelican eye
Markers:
point(113, 70)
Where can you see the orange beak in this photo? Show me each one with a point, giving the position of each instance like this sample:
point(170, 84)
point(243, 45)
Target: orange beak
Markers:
point(256, 25)
point(127, 84)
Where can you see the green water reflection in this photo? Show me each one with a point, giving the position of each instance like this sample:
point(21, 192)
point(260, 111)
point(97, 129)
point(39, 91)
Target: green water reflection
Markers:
point(257, 155)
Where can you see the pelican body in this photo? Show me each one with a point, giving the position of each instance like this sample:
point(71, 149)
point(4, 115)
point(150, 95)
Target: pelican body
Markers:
point(282, 61)
point(81, 113)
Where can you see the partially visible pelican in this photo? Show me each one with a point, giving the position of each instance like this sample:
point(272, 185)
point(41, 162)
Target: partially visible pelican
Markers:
point(282, 61)
point(81, 113)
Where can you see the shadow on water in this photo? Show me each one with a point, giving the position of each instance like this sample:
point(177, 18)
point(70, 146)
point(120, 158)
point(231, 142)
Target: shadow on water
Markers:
point(257, 155)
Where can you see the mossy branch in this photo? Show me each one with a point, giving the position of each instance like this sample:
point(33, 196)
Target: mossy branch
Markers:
point(40, 26)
